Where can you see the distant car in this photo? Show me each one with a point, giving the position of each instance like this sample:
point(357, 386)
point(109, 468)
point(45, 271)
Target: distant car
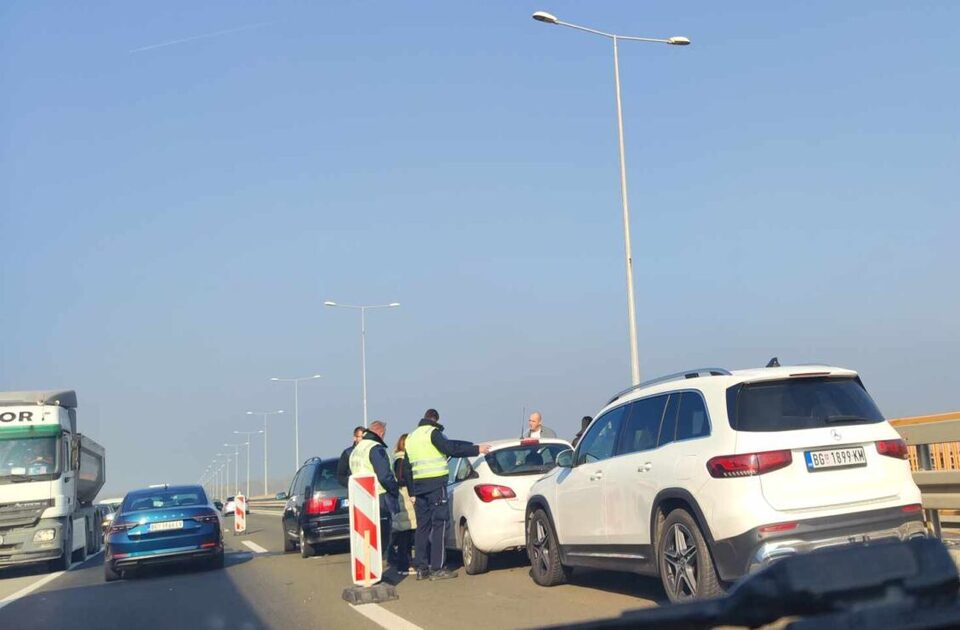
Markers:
point(230, 506)
point(317, 508)
point(166, 525)
point(488, 497)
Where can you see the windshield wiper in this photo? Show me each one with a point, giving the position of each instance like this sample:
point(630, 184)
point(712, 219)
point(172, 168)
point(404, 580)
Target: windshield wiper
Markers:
point(846, 418)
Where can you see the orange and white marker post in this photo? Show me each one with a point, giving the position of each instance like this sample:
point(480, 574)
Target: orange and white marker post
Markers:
point(239, 514)
point(366, 557)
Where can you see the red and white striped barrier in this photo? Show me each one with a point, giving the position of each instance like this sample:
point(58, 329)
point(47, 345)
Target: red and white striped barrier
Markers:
point(240, 514)
point(365, 554)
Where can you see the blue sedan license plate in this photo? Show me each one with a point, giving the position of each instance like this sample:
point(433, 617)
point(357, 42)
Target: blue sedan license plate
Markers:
point(835, 458)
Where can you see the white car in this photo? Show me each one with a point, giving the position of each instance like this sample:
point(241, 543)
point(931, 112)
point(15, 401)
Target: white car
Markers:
point(230, 506)
point(704, 476)
point(488, 496)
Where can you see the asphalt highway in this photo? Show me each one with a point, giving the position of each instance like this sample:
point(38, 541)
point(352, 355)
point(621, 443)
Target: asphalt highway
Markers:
point(261, 587)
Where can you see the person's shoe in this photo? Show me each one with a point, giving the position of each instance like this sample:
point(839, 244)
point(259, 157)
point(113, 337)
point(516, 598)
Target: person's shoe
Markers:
point(442, 574)
point(422, 574)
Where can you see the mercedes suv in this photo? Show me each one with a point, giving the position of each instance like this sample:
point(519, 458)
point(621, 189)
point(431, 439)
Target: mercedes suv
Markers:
point(704, 476)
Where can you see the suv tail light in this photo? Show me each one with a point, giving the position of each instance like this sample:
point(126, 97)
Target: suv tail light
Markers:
point(321, 505)
point(894, 448)
point(488, 492)
point(207, 518)
point(748, 464)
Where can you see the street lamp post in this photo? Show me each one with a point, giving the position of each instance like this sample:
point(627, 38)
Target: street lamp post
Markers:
point(265, 414)
point(248, 434)
point(296, 411)
point(543, 16)
point(226, 474)
point(363, 343)
point(236, 466)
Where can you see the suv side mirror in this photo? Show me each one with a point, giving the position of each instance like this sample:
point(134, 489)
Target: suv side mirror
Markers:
point(565, 459)
point(282, 496)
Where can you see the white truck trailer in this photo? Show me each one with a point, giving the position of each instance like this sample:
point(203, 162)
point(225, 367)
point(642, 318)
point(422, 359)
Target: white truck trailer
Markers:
point(49, 477)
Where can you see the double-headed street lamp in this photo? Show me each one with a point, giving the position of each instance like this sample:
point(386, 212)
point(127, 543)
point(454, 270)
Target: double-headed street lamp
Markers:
point(265, 414)
point(363, 343)
point(296, 411)
point(247, 443)
point(543, 16)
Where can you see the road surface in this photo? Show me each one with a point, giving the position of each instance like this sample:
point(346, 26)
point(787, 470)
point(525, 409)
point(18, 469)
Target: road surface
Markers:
point(261, 587)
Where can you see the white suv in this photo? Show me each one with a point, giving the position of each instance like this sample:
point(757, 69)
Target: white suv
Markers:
point(703, 476)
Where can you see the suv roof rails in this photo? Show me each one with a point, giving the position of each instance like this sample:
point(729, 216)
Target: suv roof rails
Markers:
point(676, 376)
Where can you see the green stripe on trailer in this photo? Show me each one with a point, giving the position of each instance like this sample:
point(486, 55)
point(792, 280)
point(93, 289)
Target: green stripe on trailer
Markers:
point(12, 433)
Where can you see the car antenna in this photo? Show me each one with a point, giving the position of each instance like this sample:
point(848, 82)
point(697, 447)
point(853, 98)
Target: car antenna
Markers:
point(774, 362)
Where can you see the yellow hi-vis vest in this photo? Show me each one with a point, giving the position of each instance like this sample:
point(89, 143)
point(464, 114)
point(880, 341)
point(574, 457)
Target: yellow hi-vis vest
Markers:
point(426, 460)
point(360, 461)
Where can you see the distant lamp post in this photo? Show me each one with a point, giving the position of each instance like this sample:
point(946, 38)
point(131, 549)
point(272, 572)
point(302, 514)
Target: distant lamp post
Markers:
point(265, 414)
point(247, 443)
point(296, 411)
point(547, 18)
point(363, 343)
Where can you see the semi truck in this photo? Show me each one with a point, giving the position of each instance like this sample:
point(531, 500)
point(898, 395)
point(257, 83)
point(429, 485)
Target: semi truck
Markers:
point(50, 475)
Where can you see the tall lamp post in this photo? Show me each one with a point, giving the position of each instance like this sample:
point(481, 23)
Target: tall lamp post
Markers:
point(226, 474)
point(547, 18)
point(363, 343)
point(265, 414)
point(236, 466)
point(296, 411)
point(248, 434)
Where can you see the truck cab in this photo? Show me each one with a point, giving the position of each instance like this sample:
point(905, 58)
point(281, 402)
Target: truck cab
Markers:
point(49, 476)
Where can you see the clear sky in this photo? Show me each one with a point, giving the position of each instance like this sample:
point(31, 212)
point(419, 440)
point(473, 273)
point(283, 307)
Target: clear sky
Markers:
point(172, 217)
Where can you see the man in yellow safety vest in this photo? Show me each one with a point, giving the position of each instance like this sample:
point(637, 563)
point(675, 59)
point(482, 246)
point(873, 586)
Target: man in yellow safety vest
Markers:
point(426, 478)
point(369, 457)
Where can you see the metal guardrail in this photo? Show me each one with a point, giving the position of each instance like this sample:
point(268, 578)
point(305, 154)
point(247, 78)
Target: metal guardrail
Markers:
point(267, 503)
point(940, 488)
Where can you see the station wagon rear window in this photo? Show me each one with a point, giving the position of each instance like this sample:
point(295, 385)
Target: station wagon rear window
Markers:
point(800, 403)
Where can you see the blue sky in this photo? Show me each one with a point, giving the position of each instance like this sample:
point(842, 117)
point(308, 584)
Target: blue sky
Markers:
point(172, 219)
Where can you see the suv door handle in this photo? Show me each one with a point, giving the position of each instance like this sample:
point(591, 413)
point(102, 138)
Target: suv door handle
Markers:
point(645, 468)
point(596, 475)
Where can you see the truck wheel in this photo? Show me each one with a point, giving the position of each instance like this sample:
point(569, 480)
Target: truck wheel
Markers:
point(63, 562)
point(109, 575)
point(474, 560)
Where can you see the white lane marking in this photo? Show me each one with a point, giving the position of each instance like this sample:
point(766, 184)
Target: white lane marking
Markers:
point(255, 547)
point(23, 592)
point(384, 618)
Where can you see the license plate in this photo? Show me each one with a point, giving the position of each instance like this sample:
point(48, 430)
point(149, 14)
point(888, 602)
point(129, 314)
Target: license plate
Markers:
point(835, 458)
point(165, 526)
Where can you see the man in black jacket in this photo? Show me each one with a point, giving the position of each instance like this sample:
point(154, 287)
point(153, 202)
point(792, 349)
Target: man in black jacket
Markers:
point(343, 466)
point(425, 473)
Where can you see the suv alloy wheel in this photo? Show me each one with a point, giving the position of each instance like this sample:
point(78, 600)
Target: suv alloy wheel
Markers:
point(686, 567)
point(544, 552)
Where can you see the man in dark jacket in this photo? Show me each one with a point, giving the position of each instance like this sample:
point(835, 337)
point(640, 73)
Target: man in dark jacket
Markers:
point(426, 477)
point(343, 466)
point(369, 456)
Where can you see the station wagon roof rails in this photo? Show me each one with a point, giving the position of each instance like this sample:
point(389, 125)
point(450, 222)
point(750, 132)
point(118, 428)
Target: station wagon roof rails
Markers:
point(676, 376)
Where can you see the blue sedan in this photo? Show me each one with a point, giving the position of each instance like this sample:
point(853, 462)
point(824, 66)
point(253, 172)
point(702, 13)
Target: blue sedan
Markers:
point(163, 525)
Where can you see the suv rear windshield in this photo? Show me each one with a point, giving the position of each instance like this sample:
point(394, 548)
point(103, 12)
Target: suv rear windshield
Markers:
point(800, 403)
point(327, 476)
point(532, 459)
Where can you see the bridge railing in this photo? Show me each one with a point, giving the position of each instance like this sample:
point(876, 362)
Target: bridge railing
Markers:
point(935, 459)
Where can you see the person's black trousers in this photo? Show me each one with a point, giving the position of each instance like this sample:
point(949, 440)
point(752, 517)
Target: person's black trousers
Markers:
point(433, 517)
point(401, 544)
point(386, 524)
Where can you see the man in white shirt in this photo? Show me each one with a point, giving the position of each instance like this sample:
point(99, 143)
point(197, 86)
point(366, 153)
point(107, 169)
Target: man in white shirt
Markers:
point(537, 430)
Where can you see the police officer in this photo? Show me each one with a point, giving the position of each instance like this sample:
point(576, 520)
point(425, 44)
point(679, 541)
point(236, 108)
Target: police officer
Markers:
point(369, 457)
point(343, 465)
point(426, 476)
